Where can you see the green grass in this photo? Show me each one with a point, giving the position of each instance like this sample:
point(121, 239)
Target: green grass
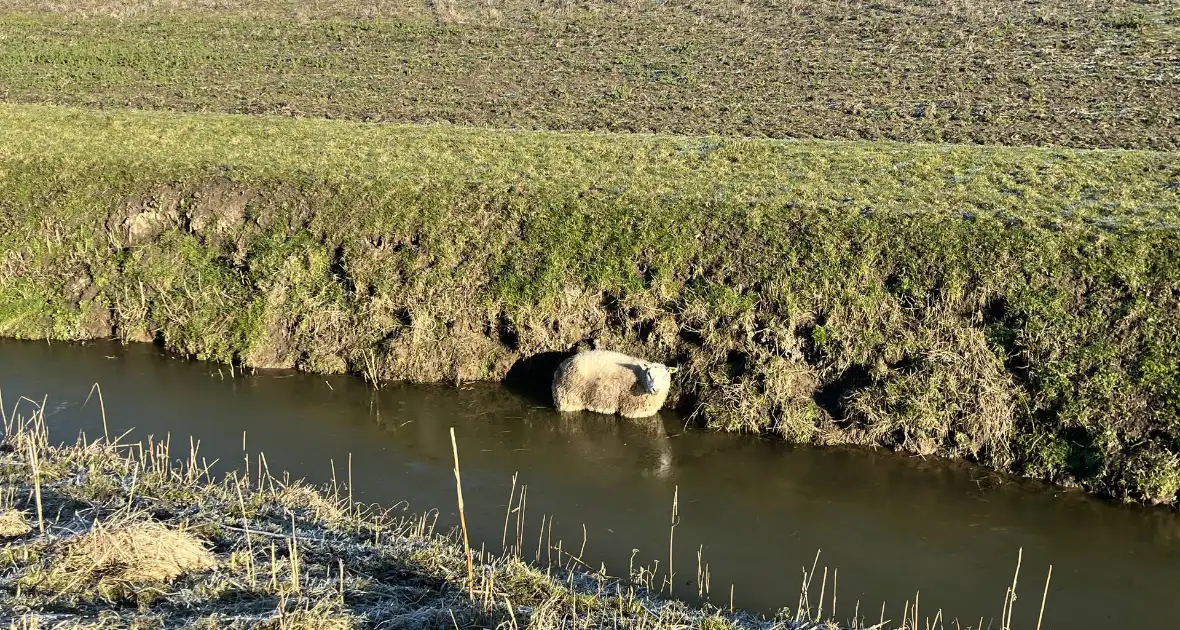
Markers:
point(1013, 306)
point(1064, 72)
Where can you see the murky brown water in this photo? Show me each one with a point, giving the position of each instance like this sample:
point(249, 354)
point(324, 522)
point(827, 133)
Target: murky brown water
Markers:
point(892, 525)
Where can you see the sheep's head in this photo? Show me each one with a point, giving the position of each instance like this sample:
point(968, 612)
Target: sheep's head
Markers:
point(656, 378)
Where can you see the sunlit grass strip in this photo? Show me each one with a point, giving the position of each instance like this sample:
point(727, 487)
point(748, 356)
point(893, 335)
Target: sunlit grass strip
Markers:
point(1128, 188)
point(951, 300)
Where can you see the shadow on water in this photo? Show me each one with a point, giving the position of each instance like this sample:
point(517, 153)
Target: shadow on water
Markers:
point(758, 510)
point(532, 377)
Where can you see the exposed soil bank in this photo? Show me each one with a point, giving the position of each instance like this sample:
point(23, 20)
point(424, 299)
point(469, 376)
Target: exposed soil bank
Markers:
point(1015, 306)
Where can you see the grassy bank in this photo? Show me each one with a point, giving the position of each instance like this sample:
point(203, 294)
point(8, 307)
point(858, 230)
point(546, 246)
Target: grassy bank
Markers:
point(1014, 306)
point(1063, 72)
point(106, 535)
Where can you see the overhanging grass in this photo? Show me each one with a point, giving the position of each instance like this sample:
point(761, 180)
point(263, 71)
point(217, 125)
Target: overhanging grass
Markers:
point(1016, 306)
point(1059, 72)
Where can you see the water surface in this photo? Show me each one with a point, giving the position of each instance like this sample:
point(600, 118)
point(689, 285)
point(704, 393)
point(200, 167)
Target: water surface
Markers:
point(891, 525)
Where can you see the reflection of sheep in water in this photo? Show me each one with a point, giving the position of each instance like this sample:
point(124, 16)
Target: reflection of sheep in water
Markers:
point(610, 382)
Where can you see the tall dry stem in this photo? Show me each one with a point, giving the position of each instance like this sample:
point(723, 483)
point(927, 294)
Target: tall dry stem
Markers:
point(246, 528)
point(293, 547)
point(34, 462)
point(462, 516)
point(106, 436)
point(672, 534)
point(835, 578)
point(1010, 598)
point(507, 515)
point(823, 587)
point(1044, 596)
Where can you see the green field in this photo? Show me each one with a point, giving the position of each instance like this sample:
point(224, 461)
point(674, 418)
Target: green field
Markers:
point(1065, 72)
point(1014, 302)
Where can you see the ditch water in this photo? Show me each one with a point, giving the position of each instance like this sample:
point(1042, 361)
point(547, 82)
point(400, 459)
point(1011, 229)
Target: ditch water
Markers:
point(892, 525)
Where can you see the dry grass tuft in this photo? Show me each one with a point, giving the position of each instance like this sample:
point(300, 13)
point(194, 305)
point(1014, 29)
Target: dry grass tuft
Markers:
point(953, 397)
point(299, 497)
point(317, 618)
point(112, 557)
point(13, 524)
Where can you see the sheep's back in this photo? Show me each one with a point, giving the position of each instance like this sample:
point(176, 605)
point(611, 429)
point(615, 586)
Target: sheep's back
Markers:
point(596, 380)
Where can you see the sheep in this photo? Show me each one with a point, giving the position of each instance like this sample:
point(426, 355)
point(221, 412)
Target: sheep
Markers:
point(608, 382)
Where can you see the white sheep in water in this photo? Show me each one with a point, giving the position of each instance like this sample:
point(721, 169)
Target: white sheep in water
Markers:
point(611, 382)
